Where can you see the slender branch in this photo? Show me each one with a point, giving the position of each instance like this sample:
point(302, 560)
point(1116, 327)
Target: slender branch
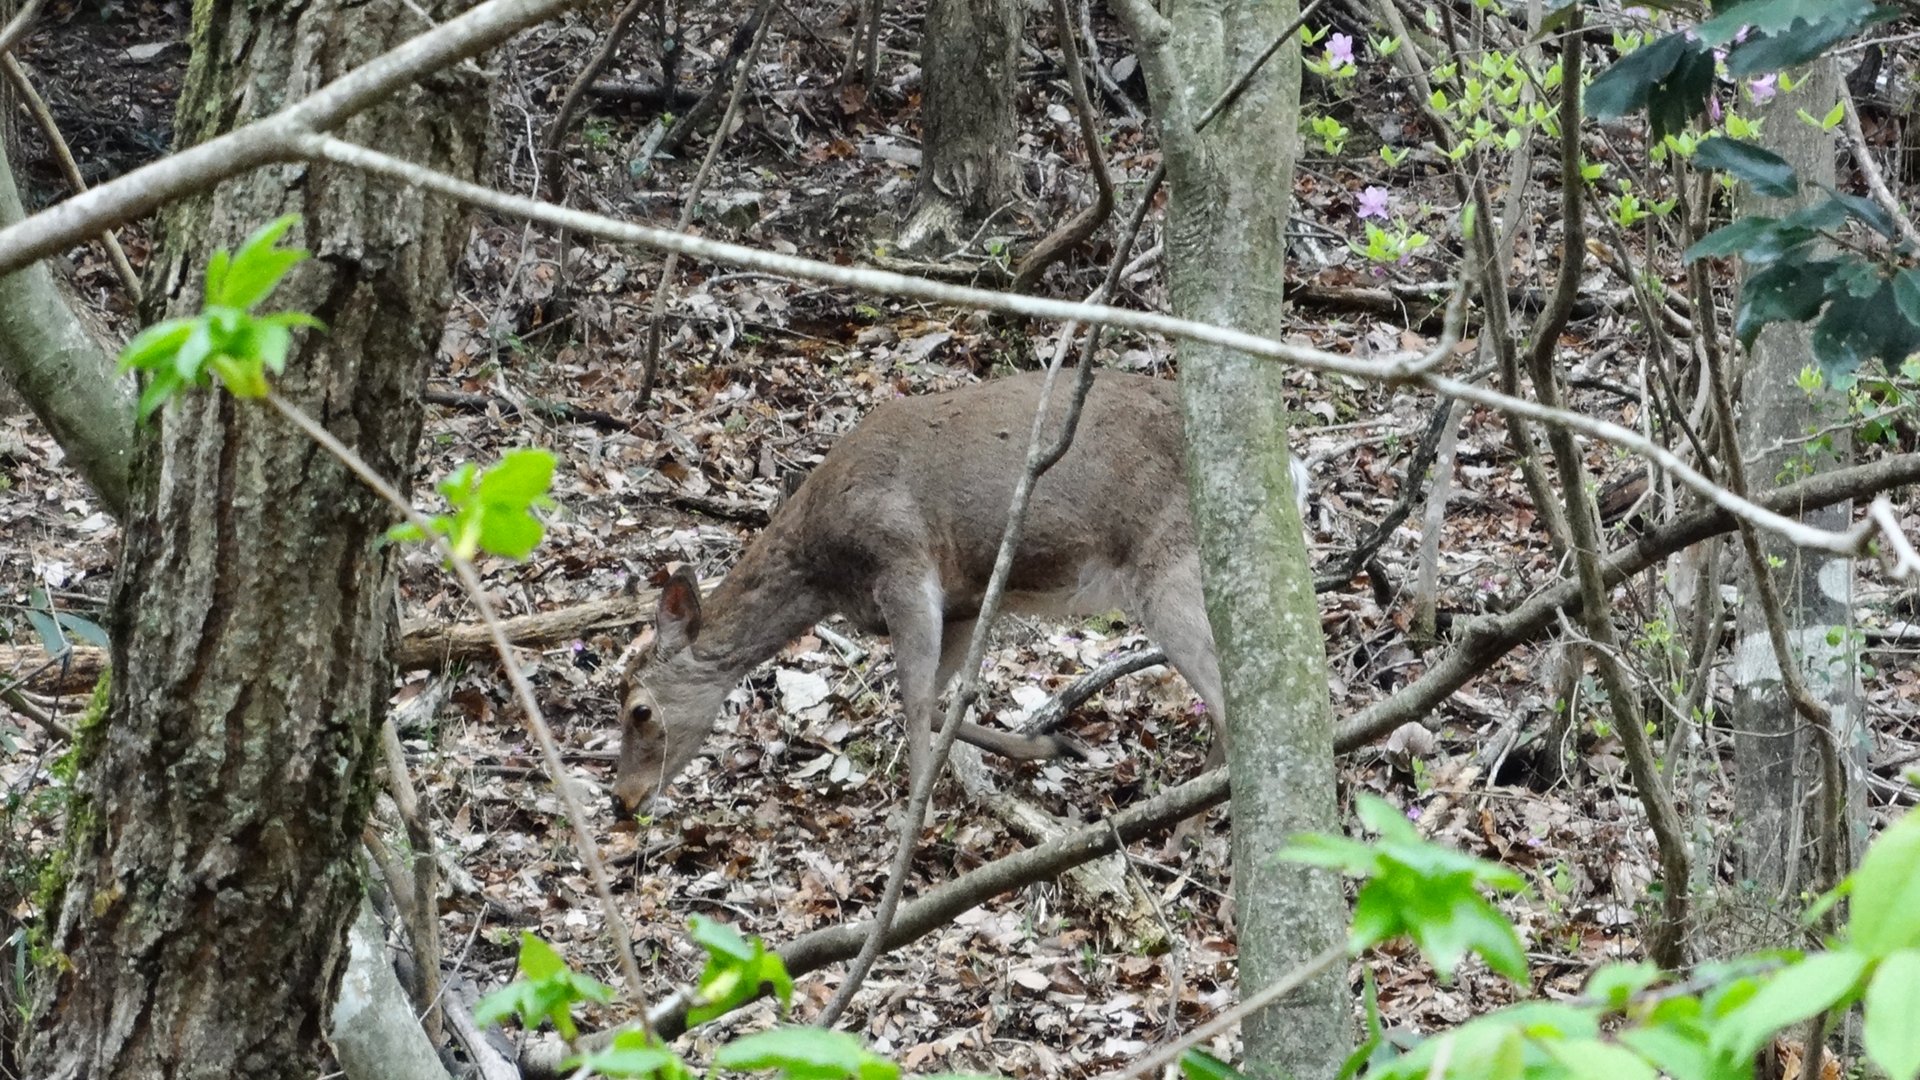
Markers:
point(63, 154)
point(1070, 235)
point(563, 119)
point(270, 139)
point(621, 939)
point(1259, 999)
point(1870, 171)
point(759, 20)
point(18, 26)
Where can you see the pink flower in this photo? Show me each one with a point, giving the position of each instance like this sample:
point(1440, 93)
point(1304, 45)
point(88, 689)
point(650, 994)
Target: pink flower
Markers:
point(1713, 108)
point(1764, 89)
point(1373, 204)
point(1340, 50)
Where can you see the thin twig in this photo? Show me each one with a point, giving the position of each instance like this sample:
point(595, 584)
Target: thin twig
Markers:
point(18, 26)
point(1870, 170)
point(562, 119)
point(63, 154)
point(651, 368)
point(523, 691)
point(1258, 1000)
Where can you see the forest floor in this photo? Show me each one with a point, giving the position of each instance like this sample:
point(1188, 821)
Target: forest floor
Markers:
point(787, 823)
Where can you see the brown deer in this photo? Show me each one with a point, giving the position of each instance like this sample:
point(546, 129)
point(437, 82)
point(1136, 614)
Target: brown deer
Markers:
point(897, 529)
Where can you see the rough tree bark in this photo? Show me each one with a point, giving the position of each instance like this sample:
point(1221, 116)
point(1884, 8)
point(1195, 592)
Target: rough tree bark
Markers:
point(968, 58)
point(1773, 763)
point(1226, 247)
point(217, 816)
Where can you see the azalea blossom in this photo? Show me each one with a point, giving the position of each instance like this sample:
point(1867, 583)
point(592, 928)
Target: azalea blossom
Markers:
point(1763, 89)
point(1340, 50)
point(1373, 204)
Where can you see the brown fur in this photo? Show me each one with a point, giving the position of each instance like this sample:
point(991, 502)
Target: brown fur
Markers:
point(898, 528)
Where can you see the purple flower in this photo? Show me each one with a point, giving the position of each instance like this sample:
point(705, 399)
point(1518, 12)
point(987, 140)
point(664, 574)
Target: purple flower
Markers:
point(1713, 108)
point(1373, 204)
point(1763, 89)
point(1340, 50)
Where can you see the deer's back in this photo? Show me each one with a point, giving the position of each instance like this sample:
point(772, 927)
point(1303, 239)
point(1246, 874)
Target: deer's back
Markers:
point(925, 482)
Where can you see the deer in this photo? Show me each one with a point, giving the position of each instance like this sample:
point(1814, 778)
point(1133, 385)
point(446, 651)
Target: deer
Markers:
point(897, 529)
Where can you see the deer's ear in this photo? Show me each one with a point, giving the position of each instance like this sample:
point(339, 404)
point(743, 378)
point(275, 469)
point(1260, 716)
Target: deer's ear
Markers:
point(677, 619)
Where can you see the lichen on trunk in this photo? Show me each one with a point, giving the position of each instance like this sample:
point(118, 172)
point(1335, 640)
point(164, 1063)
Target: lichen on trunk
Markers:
point(201, 932)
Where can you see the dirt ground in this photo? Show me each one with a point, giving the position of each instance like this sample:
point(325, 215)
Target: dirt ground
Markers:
point(786, 824)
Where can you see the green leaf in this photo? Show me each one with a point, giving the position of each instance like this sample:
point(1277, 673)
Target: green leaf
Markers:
point(806, 1054)
point(1747, 236)
point(1629, 84)
point(1867, 211)
point(521, 477)
point(160, 386)
point(538, 960)
point(1373, 1050)
point(1595, 1059)
point(1617, 983)
point(1892, 1037)
point(1856, 329)
point(1906, 294)
point(1886, 891)
point(84, 629)
point(1200, 1065)
point(1787, 291)
point(634, 1054)
point(1676, 1050)
point(736, 971)
point(1774, 16)
point(1805, 989)
point(155, 345)
point(1790, 48)
point(1766, 171)
point(257, 267)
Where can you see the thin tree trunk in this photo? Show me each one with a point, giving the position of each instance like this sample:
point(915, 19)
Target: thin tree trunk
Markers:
point(968, 56)
point(218, 812)
point(1226, 247)
point(1773, 755)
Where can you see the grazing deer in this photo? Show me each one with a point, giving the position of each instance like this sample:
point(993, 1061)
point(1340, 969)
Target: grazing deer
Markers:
point(897, 529)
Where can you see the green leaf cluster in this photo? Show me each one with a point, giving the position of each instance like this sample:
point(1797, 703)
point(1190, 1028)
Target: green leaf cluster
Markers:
point(1870, 310)
point(736, 970)
point(1673, 76)
point(1627, 1025)
point(227, 340)
point(546, 992)
point(1421, 890)
point(492, 510)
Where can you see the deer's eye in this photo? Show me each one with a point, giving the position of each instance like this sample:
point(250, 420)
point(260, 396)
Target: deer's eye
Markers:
point(640, 714)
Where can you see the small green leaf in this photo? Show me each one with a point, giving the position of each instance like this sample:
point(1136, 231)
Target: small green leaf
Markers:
point(84, 629)
point(1596, 1059)
point(1886, 891)
point(634, 1055)
point(538, 960)
point(1617, 983)
point(1892, 1038)
point(806, 1054)
point(1906, 294)
point(521, 477)
point(153, 346)
point(1199, 1065)
point(1766, 171)
point(257, 267)
point(1805, 989)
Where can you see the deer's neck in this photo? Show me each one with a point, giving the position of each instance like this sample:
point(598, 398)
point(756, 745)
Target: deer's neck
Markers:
point(767, 601)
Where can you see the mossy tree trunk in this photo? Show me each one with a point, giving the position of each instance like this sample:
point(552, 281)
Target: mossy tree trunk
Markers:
point(216, 822)
point(1226, 253)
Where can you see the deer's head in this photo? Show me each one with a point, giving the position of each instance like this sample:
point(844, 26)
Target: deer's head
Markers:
point(669, 698)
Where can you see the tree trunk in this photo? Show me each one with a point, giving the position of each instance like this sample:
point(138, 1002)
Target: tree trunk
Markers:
point(1226, 250)
point(969, 55)
point(61, 370)
point(214, 826)
point(1774, 768)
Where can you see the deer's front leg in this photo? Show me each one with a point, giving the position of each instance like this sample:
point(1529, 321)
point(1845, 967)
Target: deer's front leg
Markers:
point(913, 606)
